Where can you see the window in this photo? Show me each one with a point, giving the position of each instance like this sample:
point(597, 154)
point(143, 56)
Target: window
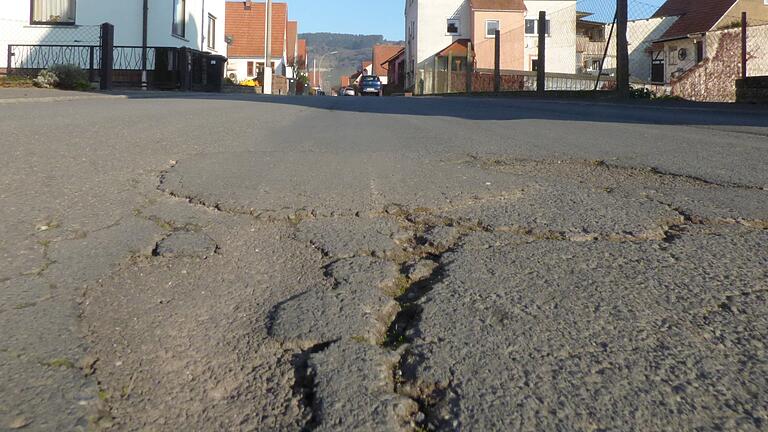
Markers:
point(249, 71)
point(453, 27)
point(596, 65)
point(490, 28)
point(211, 32)
point(532, 27)
point(179, 18)
point(58, 12)
point(700, 51)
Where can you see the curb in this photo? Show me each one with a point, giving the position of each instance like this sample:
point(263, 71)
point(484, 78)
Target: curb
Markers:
point(58, 98)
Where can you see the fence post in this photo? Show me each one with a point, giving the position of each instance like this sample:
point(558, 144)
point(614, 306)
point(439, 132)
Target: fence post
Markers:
point(497, 62)
point(91, 64)
point(470, 68)
point(435, 75)
point(541, 70)
point(744, 45)
point(10, 60)
point(107, 55)
point(449, 84)
point(185, 63)
point(622, 50)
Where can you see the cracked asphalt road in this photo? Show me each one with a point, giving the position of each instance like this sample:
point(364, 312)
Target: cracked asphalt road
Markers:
point(207, 262)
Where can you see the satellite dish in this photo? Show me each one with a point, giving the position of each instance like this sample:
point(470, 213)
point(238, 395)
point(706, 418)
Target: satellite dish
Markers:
point(682, 53)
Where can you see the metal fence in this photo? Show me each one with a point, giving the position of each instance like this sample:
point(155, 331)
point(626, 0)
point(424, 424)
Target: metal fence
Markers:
point(578, 46)
point(164, 69)
point(84, 46)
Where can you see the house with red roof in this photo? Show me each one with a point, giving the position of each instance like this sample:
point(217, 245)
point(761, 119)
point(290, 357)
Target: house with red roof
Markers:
point(395, 67)
point(380, 55)
point(246, 31)
point(696, 32)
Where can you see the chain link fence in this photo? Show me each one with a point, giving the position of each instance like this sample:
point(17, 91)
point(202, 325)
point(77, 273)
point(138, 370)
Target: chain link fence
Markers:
point(580, 53)
point(28, 47)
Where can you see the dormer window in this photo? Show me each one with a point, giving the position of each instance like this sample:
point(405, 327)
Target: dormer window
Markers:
point(453, 27)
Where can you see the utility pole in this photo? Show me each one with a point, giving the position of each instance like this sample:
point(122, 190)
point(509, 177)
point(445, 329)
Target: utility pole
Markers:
point(622, 50)
point(268, 49)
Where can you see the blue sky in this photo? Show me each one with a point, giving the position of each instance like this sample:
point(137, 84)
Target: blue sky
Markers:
point(386, 17)
point(350, 16)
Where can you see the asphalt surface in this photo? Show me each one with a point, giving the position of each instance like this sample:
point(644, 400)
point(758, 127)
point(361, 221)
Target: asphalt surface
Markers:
point(212, 262)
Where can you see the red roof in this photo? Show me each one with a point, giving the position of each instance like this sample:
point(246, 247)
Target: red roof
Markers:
point(458, 49)
point(245, 23)
point(301, 62)
point(498, 5)
point(400, 53)
point(695, 16)
point(291, 36)
point(382, 53)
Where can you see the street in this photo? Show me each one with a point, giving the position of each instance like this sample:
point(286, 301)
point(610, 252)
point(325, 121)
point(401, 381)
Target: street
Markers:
point(221, 262)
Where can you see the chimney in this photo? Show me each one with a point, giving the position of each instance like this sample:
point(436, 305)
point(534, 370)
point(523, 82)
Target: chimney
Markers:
point(247, 4)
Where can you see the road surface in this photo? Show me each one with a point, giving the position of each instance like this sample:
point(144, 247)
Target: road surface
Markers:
point(208, 262)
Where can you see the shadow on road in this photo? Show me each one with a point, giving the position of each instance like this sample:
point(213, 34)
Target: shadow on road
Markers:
point(516, 108)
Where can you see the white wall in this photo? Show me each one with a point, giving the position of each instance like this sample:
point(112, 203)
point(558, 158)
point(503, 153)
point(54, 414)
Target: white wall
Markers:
point(239, 66)
point(561, 43)
point(431, 21)
point(125, 15)
point(640, 35)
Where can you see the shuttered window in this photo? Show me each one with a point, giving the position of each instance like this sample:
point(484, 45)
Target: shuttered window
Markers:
point(53, 12)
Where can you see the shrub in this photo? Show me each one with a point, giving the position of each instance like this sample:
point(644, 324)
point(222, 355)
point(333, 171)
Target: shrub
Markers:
point(63, 76)
point(46, 79)
point(641, 93)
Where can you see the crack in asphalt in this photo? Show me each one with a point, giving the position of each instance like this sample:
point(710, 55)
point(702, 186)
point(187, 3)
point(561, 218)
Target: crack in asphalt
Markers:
point(416, 252)
point(304, 381)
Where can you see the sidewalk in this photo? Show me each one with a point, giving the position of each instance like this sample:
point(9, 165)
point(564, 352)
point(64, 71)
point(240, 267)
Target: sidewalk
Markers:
point(19, 95)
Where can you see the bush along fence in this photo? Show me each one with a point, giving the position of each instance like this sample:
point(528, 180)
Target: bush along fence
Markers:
point(626, 48)
point(166, 68)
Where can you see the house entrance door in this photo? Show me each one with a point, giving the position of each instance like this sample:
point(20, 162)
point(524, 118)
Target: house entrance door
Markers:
point(657, 67)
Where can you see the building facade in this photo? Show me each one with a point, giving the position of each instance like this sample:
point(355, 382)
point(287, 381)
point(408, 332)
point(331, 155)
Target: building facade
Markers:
point(196, 24)
point(246, 28)
point(435, 27)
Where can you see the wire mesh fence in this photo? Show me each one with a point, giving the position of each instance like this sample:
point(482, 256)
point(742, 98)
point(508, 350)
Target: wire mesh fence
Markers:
point(21, 44)
point(664, 57)
point(20, 32)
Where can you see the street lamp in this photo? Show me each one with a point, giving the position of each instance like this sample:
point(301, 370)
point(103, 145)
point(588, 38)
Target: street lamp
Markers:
point(320, 66)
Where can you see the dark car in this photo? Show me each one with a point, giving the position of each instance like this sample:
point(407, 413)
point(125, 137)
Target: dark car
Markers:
point(370, 85)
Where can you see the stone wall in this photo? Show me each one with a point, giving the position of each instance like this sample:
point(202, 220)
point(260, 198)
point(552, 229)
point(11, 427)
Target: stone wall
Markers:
point(714, 79)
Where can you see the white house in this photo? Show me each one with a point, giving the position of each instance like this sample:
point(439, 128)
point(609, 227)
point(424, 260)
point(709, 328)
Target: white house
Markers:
point(561, 35)
point(246, 28)
point(436, 26)
point(196, 24)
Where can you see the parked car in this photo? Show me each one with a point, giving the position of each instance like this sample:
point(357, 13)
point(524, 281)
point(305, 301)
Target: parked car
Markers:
point(370, 85)
point(348, 91)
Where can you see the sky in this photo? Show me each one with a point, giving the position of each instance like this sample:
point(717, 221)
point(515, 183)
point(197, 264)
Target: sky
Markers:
point(385, 17)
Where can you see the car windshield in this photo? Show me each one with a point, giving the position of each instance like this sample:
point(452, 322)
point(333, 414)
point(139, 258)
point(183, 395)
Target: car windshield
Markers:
point(370, 79)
